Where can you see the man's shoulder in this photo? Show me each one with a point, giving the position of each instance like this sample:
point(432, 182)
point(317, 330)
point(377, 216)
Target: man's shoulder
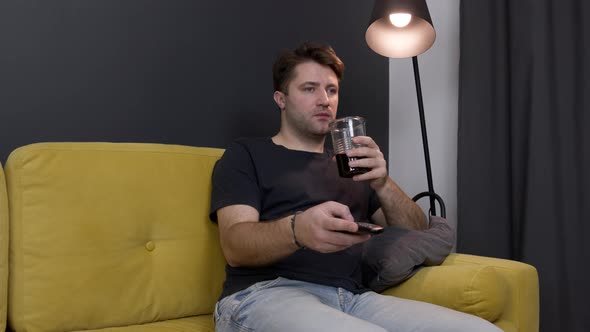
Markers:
point(249, 146)
point(252, 141)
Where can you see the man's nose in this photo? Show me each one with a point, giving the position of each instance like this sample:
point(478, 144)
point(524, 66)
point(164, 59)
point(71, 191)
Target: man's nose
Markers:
point(323, 98)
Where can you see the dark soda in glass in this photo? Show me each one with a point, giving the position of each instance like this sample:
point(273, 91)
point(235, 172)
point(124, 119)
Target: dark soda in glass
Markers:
point(346, 171)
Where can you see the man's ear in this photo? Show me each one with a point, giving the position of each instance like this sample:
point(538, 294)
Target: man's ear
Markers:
point(279, 99)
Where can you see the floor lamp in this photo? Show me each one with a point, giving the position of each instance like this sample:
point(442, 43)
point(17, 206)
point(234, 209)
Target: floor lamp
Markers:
point(403, 29)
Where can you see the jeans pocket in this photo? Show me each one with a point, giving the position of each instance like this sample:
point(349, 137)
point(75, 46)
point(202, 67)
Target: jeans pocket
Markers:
point(266, 284)
point(216, 313)
point(233, 309)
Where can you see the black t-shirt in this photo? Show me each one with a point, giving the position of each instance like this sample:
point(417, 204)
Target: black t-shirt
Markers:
point(277, 182)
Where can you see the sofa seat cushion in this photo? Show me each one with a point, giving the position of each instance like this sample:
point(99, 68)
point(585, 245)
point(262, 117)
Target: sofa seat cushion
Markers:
point(203, 323)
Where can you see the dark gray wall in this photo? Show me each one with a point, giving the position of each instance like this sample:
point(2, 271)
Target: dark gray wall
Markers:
point(169, 71)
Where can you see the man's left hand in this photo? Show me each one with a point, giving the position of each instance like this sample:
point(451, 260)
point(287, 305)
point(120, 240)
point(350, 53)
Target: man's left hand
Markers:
point(371, 158)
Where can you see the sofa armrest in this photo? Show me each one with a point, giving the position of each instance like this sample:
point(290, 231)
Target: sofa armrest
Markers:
point(502, 291)
point(522, 281)
point(3, 251)
point(473, 289)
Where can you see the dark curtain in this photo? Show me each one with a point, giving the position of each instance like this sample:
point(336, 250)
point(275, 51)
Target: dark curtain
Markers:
point(524, 145)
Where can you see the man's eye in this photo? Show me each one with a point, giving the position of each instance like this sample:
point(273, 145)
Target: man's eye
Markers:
point(309, 89)
point(333, 91)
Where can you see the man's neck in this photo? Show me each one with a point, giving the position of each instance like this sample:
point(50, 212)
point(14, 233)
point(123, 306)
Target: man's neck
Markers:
point(309, 144)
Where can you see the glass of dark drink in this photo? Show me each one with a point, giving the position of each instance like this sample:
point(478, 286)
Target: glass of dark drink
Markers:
point(342, 131)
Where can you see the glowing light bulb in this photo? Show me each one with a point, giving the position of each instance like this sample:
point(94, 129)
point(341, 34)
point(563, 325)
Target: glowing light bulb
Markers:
point(400, 20)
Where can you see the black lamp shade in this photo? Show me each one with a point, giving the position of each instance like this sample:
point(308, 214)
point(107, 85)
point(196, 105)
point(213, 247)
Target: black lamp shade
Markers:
point(388, 40)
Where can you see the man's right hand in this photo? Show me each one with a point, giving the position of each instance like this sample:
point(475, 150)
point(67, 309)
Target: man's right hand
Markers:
point(321, 228)
point(247, 242)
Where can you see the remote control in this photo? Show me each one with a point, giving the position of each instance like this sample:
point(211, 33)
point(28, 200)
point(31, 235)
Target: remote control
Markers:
point(365, 227)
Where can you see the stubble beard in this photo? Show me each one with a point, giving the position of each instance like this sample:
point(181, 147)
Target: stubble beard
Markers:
point(312, 131)
point(316, 128)
point(308, 128)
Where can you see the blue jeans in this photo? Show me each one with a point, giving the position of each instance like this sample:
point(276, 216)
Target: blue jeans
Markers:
point(289, 305)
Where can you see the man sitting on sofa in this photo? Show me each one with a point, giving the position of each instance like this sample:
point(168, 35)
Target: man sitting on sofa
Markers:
point(284, 213)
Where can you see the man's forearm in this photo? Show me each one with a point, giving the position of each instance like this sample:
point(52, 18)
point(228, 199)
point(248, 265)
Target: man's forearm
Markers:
point(399, 209)
point(256, 243)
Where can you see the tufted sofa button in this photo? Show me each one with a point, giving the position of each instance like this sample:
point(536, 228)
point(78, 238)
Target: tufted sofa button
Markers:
point(150, 246)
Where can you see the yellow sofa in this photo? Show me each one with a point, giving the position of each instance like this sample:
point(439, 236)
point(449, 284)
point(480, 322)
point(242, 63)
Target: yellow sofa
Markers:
point(116, 237)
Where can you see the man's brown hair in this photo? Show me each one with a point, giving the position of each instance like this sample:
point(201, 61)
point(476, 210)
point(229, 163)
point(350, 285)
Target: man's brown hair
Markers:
point(282, 69)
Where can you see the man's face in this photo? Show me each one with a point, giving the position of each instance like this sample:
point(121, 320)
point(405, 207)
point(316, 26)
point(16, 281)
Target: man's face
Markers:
point(311, 101)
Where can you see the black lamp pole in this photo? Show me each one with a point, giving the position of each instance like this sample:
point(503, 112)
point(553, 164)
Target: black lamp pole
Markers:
point(430, 191)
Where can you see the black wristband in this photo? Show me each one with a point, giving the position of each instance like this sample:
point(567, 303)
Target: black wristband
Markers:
point(299, 245)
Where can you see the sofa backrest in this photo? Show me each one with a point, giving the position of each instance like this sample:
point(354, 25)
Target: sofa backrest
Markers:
point(3, 250)
point(110, 234)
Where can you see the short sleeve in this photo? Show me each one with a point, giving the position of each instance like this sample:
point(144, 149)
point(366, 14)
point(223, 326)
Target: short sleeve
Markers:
point(234, 180)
